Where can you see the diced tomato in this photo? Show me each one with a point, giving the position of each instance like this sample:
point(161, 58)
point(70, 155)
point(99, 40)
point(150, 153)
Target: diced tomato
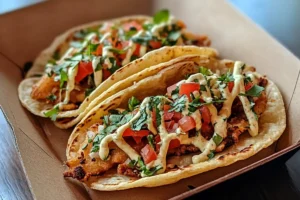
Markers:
point(207, 130)
point(98, 51)
point(155, 44)
point(167, 107)
point(84, 69)
point(168, 115)
point(205, 113)
point(177, 116)
point(187, 123)
point(132, 24)
point(106, 74)
point(170, 89)
point(153, 115)
point(136, 135)
point(188, 88)
point(230, 86)
point(169, 125)
point(248, 86)
point(137, 50)
point(173, 143)
point(148, 154)
point(130, 132)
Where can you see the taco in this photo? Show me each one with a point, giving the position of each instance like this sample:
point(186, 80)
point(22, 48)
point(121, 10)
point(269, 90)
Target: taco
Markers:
point(77, 67)
point(187, 119)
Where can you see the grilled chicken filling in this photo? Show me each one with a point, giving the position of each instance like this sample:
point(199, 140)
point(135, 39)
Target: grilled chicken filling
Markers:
point(187, 114)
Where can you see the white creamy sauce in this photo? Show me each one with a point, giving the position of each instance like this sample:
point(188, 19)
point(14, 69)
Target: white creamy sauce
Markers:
point(97, 74)
point(218, 119)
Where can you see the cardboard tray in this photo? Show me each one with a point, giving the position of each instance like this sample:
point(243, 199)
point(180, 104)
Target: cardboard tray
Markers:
point(26, 32)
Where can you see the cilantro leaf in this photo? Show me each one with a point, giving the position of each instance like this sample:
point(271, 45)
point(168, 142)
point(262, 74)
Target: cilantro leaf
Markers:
point(96, 142)
point(63, 78)
point(255, 91)
point(211, 155)
point(132, 103)
point(114, 66)
point(117, 51)
point(140, 121)
point(150, 140)
point(161, 16)
point(142, 39)
point(52, 113)
point(226, 78)
point(175, 93)
point(204, 71)
point(179, 104)
point(147, 26)
point(52, 97)
point(217, 138)
point(202, 88)
point(148, 172)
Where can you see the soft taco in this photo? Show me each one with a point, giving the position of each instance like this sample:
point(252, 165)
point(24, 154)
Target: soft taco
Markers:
point(189, 118)
point(78, 66)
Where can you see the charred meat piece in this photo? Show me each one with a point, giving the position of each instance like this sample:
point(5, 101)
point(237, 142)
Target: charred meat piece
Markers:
point(182, 150)
point(126, 170)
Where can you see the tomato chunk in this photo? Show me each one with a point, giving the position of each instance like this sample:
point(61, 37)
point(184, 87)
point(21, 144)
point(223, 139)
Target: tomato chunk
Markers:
point(177, 116)
point(170, 89)
point(132, 24)
point(155, 44)
point(205, 113)
point(188, 88)
point(167, 107)
point(106, 74)
point(248, 86)
point(136, 135)
point(148, 154)
point(187, 123)
point(137, 50)
point(168, 115)
point(98, 51)
point(173, 143)
point(84, 69)
point(230, 86)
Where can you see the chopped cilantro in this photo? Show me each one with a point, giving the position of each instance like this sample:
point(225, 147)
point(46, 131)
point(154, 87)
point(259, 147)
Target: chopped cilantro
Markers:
point(96, 142)
point(88, 91)
point(204, 71)
point(148, 172)
point(226, 78)
point(114, 66)
point(117, 51)
point(255, 91)
point(211, 155)
point(175, 93)
point(147, 26)
point(91, 48)
point(63, 78)
point(132, 103)
point(161, 16)
point(150, 140)
point(203, 88)
point(52, 113)
point(52, 97)
point(76, 44)
point(132, 163)
point(140, 121)
point(217, 139)
point(174, 35)
point(179, 104)
point(142, 39)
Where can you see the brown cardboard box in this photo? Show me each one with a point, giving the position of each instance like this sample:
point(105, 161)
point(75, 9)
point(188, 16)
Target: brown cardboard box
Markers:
point(26, 32)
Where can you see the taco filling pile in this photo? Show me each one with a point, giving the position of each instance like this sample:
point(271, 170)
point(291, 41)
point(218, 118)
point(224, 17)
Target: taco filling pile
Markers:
point(97, 52)
point(199, 116)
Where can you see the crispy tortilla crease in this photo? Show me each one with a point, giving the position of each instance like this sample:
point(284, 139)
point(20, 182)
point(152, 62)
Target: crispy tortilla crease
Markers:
point(69, 118)
point(272, 123)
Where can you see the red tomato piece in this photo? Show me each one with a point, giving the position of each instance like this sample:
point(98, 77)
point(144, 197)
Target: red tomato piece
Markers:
point(187, 123)
point(137, 50)
point(148, 154)
point(98, 51)
point(153, 114)
point(84, 69)
point(132, 24)
point(174, 144)
point(155, 44)
point(130, 132)
point(188, 88)
point(177, 116)
point(170, 89)
point(230, 86)
point(248, 86)
point(169, 125)
point(167, 107)
point(168, 115)
point(106, 74)
point(205, 113)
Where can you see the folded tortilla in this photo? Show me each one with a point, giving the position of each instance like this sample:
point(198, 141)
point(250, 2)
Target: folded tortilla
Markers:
point(271, 124)
point(67, 119)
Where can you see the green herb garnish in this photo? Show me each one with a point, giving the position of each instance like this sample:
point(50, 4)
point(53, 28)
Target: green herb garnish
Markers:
point(204, 71)
point(52, 97)
point(211, 155)
point(132, 103)
point(217, 139)
point(52, 113)
point(63, 78)
point(179, 104)
point(161, 16)
point(151, 141)
point(140, 121)
point(255, 91)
